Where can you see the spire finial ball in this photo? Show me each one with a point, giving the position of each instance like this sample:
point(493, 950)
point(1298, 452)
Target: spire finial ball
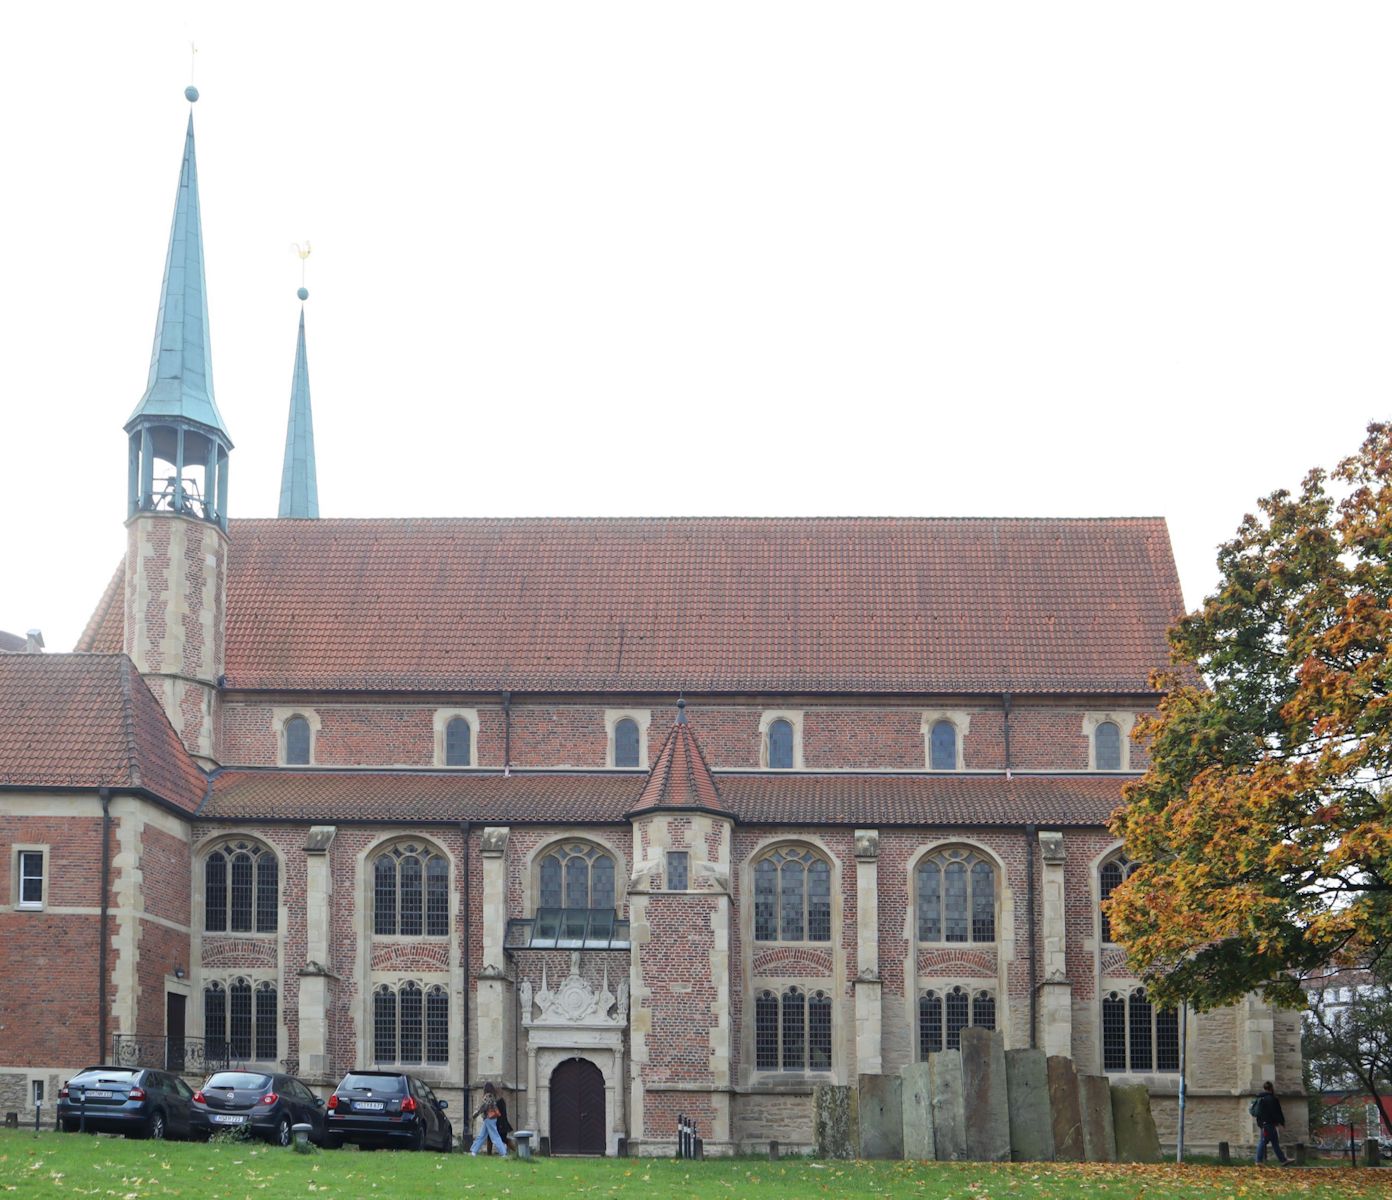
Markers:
point(303, 293)
point(191, 94)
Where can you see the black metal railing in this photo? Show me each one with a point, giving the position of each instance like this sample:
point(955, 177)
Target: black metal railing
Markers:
point(190, 1055)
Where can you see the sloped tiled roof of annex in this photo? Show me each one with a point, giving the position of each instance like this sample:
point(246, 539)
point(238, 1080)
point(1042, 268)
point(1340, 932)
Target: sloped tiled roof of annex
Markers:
point(814, 605)
point(270, 794)
point(88, 721)
point(680, 777)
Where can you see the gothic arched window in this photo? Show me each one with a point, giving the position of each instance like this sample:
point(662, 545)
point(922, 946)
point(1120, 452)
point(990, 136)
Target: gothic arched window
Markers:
point(792, 1032)
point(942, 746)
point(241, 889)
point(1106, 742)
point(297, 742)
point(792, 896)
point(780, 745)
point(458, 743)
point(575, 875)
point(956, 897)
point(626, 743)
point(1109, 878)
point(410, 891)
point(943, 1016)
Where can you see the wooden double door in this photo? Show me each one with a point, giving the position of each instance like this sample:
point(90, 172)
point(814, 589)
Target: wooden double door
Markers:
point(577, 1108)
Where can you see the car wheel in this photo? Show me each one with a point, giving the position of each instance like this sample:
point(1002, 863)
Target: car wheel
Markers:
point(282, 1131)
point(447, 1142)
point(157, 1127)
point(418, 1138)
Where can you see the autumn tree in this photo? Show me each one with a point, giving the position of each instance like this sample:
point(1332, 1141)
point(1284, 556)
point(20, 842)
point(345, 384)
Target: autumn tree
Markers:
point(1264, 824)
point(1347, 1042)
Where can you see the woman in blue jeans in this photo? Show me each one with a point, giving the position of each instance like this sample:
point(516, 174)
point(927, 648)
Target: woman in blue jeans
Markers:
point(490, 1110)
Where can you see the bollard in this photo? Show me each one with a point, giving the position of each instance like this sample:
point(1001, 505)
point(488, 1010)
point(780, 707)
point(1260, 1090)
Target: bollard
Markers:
point(621, 1148)
point(523, 1138)
point(773, 1151)
point(1224, 1153)
point(544, 1146)
point(1372, 1152)
point(302, 1132)
point(38, 1109)
point(11, 1120)
point(700, 1151)
point(1299, 1154)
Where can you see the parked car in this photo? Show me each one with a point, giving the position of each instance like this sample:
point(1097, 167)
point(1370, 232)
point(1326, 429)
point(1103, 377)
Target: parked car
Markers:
point(267, 1104)
point(387, 1108)
point(136, 1101)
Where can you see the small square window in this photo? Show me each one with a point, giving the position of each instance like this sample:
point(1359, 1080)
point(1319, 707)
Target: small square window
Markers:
point(676, 871)
point(31, 878)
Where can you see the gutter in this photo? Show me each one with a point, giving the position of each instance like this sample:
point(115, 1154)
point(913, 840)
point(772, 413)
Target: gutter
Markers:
point(105, 796)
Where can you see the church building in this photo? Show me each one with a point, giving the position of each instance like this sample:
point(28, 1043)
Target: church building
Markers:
point(632, 817)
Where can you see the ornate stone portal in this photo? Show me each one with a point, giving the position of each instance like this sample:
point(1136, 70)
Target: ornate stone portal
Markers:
point(575, 1020)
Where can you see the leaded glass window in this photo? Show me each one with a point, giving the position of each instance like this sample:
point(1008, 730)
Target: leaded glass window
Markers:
point(215, 1019)
point(819, 1032)
point(297, 742)
point(1106, 741)
point(410, 892)
point(1113, 1033)
point(458, 743)
point(437, 1025)
point(958, 1017)
point(266, 1022)
point(576, 875)
point(930, 1024)
point(780, 745)
point(792, 1032)
point(410, 1004)
point(956, 897)
point(241, 889)
point(1109, 878)
point(384, 1025)
point(410, 1024)
point(766, 1031)
point(626, 743)
point(1142, 1024)
point(1137, 1037)
point(239, 1022)
point(677, 863)
point(792, 896)
point(942, 753)
point(943, 1016)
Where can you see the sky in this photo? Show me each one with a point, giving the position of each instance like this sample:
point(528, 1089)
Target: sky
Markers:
point(742, 258)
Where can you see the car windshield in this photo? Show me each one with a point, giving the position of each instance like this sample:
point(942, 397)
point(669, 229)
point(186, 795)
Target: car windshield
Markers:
point(239, 1079)
point(391, 1085)
point(96, 1075)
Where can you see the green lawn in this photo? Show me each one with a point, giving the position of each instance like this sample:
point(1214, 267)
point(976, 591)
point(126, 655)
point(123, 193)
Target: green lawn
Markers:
point(70, 1165)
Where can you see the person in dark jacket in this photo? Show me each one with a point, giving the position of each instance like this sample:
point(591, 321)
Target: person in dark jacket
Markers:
point(1268, 1116)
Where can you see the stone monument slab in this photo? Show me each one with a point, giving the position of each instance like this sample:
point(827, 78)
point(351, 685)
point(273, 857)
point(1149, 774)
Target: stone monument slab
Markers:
point(949, 1109)
point(1095, 1101)
point(916, 1097)
point(1065, 1109)
point(881, 1117)
point(1027, 1101)
point(836, 1120)
point(1136, 1136)
point(984, 1095)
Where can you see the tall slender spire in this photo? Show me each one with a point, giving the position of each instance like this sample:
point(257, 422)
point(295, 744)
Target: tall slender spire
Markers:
point(181, 365)
point(299, 487)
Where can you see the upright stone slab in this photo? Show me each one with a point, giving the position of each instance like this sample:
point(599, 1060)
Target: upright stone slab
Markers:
point(1065, 1110)
point(1031, 1128)
point(881, 1117)
point(1136, 1137)
point(949, 1109)
point(1095, 1100)
point(836, 1120)
point(984, 1095)
point(916, 1099)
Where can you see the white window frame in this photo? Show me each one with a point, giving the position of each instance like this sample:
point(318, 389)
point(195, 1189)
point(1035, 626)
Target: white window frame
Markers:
point(795, 720)
point(17, 862)
point(642, 717)
point(1124, 721)
point(443, 717)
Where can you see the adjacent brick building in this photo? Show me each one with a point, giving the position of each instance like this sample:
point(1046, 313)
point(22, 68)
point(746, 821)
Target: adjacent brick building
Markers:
point(632, 817)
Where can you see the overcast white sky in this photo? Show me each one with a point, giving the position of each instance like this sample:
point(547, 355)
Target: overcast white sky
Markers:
point(719, 258)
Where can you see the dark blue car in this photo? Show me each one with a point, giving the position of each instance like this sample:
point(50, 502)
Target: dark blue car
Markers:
point(137, 1101)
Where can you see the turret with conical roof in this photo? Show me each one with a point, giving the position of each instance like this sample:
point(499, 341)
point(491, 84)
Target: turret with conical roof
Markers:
point(299, 487)
point(178, 442)
point(176, 527)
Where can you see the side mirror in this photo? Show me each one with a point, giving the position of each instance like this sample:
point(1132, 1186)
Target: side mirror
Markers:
point(319, 1100)
point(441, 1103)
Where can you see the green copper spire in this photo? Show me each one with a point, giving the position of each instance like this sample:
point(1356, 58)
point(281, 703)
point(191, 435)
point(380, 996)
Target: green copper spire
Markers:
point(299, 489)
point(181, 367)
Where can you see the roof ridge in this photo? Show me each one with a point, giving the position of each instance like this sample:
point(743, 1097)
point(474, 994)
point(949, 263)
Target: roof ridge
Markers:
point(716, 518)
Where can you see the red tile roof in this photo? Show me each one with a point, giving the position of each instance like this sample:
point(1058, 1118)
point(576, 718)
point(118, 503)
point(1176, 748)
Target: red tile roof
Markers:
point(855, 605)
point(680, 778)
point(772, 798)
point(88, 721)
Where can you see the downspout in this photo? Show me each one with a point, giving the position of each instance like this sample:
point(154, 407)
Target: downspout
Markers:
point(104, 794)
point(507, 733)
point(468, 974)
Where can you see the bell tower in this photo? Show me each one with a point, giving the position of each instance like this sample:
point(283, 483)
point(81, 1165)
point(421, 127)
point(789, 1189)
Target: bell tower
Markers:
point(176, 496)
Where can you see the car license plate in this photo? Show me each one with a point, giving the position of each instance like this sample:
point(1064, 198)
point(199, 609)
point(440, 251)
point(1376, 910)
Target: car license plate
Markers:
point(227, 1119)
point(369, 1105)
point(97, 1095)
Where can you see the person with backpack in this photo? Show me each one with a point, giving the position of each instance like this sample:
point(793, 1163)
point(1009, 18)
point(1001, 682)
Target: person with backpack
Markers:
point(490, 1110)
point(1266, 1111)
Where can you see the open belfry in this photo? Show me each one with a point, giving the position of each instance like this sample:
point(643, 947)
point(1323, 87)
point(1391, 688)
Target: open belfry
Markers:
point(633, 818)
